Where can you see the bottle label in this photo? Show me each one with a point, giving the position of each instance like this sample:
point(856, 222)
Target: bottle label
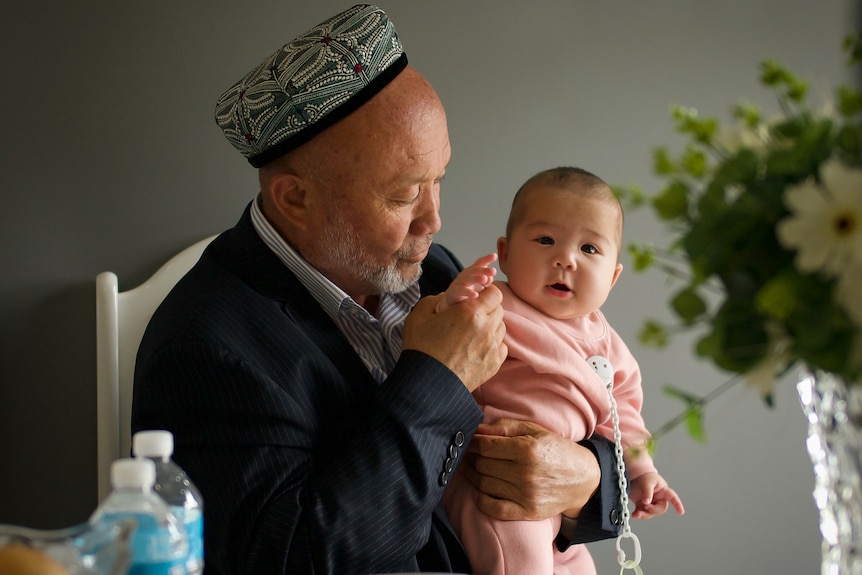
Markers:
point(168, 568)
point(154, 548)
point(193, 520)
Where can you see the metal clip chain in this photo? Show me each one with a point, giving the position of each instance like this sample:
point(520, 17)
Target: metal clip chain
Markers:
point(603, 369)
point(626, 533)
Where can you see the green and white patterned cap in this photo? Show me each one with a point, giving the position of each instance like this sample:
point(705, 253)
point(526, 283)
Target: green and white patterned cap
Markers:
point(310, 84)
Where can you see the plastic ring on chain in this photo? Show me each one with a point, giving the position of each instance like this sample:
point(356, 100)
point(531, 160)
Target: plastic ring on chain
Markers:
point(633, 566)
point(621, 555)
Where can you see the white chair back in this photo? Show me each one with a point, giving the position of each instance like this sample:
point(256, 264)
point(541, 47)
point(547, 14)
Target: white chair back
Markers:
point(121, 318)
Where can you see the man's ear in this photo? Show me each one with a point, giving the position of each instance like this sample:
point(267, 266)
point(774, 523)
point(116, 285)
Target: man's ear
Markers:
point(288, 198)
point(503, 253)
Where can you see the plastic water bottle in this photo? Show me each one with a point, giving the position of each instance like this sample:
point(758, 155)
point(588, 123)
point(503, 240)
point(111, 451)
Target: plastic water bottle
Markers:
point(159, 544)
point(176, 489)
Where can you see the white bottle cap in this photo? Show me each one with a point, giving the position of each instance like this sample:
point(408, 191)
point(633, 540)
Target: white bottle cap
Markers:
point(134, 473)
point(155, 443)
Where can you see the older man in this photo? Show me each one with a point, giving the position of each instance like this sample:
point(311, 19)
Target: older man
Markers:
point(316, 398)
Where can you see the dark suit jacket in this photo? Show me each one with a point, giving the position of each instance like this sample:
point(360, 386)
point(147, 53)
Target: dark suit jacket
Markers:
point(305, 463)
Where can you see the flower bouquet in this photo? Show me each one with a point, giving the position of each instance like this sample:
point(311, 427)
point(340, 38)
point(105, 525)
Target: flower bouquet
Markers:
point(765, 215)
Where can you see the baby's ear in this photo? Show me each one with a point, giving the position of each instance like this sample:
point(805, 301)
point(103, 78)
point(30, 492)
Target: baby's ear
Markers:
point(617, 271)
point(503, 253)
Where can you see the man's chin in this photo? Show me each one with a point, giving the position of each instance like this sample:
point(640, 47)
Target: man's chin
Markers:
point(410, 275)
point(402, 277)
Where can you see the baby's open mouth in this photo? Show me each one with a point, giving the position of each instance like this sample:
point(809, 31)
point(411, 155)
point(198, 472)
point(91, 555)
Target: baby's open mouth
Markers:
point(560, 287)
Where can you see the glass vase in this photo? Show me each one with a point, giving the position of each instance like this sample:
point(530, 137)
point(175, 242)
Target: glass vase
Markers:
point(834, 444)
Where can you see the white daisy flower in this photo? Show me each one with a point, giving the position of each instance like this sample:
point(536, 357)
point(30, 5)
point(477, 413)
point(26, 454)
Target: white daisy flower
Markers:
point(825, 225)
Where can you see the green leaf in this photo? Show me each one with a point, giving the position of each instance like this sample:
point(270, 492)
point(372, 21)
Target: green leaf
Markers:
point(662, 164)
point(693, 414)
point(747, 113)
point(653, 334)
point(709, 345)
point(694, 423)
point(849, 100)
point(852, 45)
point(689, 122)
point(849, 139)
point(631, 196)
point(774, 75)
point(740, 169)
point(777, 298)
point(789, 162)
point(797, 91)
point(672, 202)
point(810, 143)
point(694, 162)
point(688, 305)
point(740, 335)
point(643, 257)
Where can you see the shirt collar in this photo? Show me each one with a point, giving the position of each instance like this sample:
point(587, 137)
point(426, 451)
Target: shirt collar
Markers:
point(328, 295)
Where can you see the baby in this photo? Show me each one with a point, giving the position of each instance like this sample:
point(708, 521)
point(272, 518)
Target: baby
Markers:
point(561, 259)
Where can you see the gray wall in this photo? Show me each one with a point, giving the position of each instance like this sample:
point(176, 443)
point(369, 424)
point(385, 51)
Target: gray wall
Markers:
point(111, 161)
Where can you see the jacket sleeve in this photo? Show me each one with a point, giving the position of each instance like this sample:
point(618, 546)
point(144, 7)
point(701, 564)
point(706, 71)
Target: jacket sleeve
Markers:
point(601, 517)
point(287, 488)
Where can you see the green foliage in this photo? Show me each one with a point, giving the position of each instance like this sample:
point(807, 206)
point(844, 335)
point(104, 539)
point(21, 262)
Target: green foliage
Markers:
point(653, 334)
point(785, 82)
point(692, 414)
point(688, 305)
point(722, 198)
point(672, 202)
point(852, 46)
point(642, 256)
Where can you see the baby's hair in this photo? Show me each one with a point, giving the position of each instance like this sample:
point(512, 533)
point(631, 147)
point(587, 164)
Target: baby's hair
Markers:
point(578, 180)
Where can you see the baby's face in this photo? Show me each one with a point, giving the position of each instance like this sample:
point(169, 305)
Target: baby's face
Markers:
point(562, 255)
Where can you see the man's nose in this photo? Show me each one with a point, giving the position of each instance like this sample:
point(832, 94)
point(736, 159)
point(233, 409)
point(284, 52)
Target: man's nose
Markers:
point(426, 220)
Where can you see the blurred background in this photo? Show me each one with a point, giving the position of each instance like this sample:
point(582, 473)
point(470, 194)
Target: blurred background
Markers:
point(112, 161)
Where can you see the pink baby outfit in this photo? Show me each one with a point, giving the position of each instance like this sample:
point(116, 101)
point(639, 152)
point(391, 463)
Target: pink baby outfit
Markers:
point(546, 379)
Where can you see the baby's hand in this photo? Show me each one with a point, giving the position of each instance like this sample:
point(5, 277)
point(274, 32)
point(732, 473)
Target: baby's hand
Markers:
point(469, 283)
point(652, 496)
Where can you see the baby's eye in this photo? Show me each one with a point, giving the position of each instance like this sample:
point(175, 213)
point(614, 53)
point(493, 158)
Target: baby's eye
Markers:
point(589, 249)
point(545, 240)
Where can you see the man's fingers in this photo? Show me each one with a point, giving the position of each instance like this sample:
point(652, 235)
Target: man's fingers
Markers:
point(503, 509)
point(491, 446)
point(508, 428)
point(496, 497)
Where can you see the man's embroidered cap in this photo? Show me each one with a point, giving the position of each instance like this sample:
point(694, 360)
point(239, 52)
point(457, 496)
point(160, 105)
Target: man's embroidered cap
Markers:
point(310, 84)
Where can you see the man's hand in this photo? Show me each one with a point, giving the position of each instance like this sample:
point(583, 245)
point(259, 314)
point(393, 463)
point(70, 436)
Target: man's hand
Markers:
point(525, 472)
point(467, 338)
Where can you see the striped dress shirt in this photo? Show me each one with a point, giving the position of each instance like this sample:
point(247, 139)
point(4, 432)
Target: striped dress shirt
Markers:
point(377, 340)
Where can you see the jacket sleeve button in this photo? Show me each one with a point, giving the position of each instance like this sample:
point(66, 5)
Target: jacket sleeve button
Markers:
point(459, 439)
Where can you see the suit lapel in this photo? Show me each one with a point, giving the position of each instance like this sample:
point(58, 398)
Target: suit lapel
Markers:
point(241, 250)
